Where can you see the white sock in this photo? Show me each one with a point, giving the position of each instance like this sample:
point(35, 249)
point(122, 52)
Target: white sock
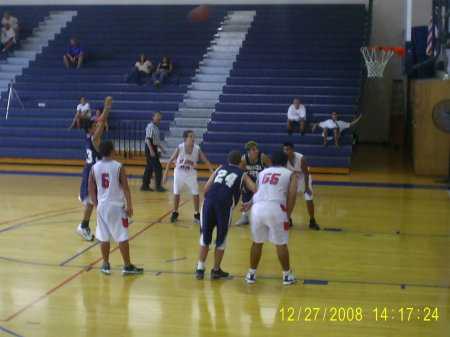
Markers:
point(195, 213)
point(244, 213)
point(252, 271)
point(201, 265)
point(286, 272)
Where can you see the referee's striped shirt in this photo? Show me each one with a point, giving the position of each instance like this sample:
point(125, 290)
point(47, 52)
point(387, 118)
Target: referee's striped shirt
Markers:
point(152, 132)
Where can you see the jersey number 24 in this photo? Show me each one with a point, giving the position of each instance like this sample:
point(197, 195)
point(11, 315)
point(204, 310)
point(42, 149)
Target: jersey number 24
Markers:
point(229, 178)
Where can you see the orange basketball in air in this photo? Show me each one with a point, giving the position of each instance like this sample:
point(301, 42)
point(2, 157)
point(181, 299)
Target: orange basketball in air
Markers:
point(200, 14)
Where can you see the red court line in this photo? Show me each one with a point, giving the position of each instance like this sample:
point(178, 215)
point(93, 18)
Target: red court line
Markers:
point(51, 291)
point(39, 214)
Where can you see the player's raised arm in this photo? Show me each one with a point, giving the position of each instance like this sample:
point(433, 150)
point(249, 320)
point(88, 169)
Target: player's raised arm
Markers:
point(92, 188)
point(205, 161)
point(292, 195)
point(210, 181)
point(173, 157)
point(126, 191)
point(266, 160)
point(102, 124)
point(249, 184)
point(356, 120)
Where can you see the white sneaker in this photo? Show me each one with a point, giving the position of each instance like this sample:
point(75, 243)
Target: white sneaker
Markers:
point(85, 233)
point(250, 278)
point(243, 221)
point(289, 279)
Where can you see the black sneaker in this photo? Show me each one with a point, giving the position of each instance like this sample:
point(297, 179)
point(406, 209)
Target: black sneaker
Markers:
point(197, 217)
point(161, 189)
point(106, 269)
point(313, 225)
point(218, 274)
point(174, 217)
point(146, 188)
point(132, 270)
point(200, 274)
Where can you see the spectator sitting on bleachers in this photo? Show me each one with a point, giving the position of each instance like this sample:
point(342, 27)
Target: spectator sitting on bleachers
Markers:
point(98, 118)
point(74, 54)
point(13, 23)
point(163, 71)
point(334, 125)
point(83, 113)
point(8, 38)
point(296, 116)
point(141, 70)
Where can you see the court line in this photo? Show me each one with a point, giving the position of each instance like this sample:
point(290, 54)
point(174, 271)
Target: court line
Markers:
point(10, 332)
point(39, 219)
point(37, 214)
point(316, 182)
point(78, 254)
point(51, 291)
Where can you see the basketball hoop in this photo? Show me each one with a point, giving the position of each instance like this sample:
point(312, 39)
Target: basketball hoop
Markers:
point(378, 57)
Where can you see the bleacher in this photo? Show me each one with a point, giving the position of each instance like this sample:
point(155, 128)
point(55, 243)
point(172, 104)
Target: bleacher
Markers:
point(309, 51)
point(112, 41)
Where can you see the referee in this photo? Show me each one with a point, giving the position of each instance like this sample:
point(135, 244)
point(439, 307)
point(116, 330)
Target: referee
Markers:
point(153, 142)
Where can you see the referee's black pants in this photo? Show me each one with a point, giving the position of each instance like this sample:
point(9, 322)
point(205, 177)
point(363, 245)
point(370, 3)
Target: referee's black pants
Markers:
point(153, 165)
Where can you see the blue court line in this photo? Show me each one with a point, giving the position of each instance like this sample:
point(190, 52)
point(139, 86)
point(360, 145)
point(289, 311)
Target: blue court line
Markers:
point(332, 229)
point(317, 282)
point(38, 219)
point(178, 259)
point(10, 332)
point(318, 182)
point(297, 228)
point(80, 253)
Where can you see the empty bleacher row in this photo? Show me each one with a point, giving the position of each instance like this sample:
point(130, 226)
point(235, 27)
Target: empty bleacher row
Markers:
point(311, 52)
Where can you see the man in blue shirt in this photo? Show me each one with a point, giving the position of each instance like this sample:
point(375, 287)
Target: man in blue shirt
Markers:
point(74, 54)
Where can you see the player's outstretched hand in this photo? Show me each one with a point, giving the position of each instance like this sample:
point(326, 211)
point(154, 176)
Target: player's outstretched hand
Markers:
point(108, 99)
point(245, 207)
point(165, 179)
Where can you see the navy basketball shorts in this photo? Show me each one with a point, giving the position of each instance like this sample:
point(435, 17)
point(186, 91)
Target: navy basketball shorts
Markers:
point(215, 213)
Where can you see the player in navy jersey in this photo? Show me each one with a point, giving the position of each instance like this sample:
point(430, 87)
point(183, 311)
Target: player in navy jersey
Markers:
point(94, 133)
point(222, 192)
point(252, 163)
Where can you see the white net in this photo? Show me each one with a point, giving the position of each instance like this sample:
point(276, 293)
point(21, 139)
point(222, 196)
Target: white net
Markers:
point(376, 60)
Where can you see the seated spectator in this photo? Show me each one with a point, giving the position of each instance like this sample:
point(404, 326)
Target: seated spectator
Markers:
point(332, 128)
point(74, 54)
point(83, 114)
point(163, 71)
point(98, 118)
point(141, 70)
point(296, 116)
point(13, 23)
point(8, 38)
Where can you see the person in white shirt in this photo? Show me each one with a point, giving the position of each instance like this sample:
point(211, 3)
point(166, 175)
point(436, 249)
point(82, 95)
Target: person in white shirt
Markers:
point(13, 23)
point(186, 156)
point(297, 163)
point(141, 70)
point(83, 113)
point(296, 116)
point(273, 204)
point(110, 193)
point(332, 128)
point(8, 37)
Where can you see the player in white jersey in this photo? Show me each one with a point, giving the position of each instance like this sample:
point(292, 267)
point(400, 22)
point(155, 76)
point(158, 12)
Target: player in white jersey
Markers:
point(273, 203)
point(108, 189)
point(298, 164)
point(186, 157)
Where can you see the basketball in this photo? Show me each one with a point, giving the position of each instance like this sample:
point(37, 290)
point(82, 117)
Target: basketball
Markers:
point(200, 14)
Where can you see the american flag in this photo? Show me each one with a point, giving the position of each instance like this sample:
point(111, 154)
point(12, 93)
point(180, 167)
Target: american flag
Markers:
point(433, 28)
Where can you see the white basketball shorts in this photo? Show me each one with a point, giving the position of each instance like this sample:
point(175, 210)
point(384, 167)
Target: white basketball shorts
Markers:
point(183, 177)
point(109, 223)
point(269, 222)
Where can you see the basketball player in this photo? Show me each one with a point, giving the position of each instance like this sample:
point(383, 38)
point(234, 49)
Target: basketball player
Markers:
point(94, 132)
point(108, 189)
point(222, 192)
point(298, 164)
point(252, 163)
point(272, 207)
point(186, 157)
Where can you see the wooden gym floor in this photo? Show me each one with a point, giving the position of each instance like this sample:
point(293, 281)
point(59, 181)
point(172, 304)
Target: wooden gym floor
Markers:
point(379, 267)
